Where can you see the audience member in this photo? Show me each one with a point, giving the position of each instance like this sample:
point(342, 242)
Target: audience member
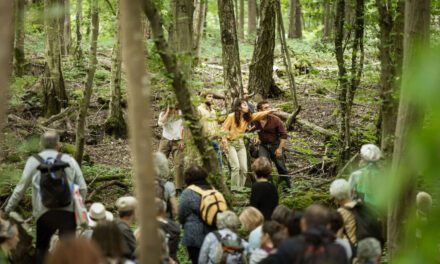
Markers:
point(264, 195)
point(252, 220)
point(272, 235)
point(8, 240)
point(194, 229)
point(224, 245)
point(165, 189)
point(336, 223)
point(74, 251)
point(369, 251)
point(126, 207)
point(171, 228)
point(294, 222)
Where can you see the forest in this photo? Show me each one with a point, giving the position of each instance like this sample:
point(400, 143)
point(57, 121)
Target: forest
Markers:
point(338, 73)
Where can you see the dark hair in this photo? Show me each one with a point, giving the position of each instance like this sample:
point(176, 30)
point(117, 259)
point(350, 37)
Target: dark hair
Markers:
point(108, 237)
point(281, 214)
point(336, 221)
point(194, 174)
point(261, 103)
point(72, 251)
point(294, 222)
point(237, 112)
point(276, 232)
point(262, 167)
point(126, 213)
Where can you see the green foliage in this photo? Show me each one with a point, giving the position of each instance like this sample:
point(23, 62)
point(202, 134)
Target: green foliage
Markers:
point(303, 199)
point(18, 87)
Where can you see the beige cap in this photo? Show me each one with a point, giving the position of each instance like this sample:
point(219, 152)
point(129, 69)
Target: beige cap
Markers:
point(126, 203)
point(97, 212)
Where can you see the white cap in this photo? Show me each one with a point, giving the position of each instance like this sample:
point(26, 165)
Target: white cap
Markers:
point(370, 152)
point(97, 212)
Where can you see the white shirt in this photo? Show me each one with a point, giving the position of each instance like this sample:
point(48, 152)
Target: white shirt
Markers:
point(172, 127)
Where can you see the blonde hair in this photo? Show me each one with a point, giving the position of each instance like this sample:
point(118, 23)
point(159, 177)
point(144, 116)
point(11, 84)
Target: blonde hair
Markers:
point(251, 218)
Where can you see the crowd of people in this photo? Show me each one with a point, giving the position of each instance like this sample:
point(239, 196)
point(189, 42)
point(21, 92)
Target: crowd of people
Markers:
point(191, 213)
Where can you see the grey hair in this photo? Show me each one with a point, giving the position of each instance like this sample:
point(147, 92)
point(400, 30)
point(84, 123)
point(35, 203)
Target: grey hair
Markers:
point(161, 166)
point(369, 249)
point(50, 140)
point(227, 219)
point(340, 189)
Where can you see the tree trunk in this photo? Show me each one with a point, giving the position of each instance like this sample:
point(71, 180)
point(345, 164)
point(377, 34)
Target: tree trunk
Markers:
point(183, 33)
point(20, 6)
point(260, 70)
point(6, 36)
point(78, 50)
point(115, 124)
point(252, 17)
point(328, 21)
point(81, 121)
point(343, 81)
point(410, 117)
point(54, 91)
point(230, 49)
point(391, 49)
point(295, 19)
point(241, 28)
point(286, 55)
point(67, 32)
point(139, 113)
point(183, 96)
point(199, 15)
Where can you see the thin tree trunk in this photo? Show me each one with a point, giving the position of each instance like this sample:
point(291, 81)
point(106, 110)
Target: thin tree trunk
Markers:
point(410, 117)
point(286, 55)
point(139, 112)
point(205, 21)
point(230, 49)
point(6, 37)
point(252, 17)
point(81, 121)
point(295, 19)
point(199, 14)
point(115, 124)
point(67, 32)
point(241, 28)
point(183, 96)
point(78, 49)
point(183, 33)
point(20, 6)
point(54, 91)
point(328, 20)
point(261, 68)
point(343, 80)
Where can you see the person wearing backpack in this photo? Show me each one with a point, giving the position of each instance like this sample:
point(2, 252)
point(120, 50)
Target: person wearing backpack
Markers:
point(169, 227)
point(165, 189)
point(52, 175)
point(224, 245)
point(360, 220)
point(196, 211)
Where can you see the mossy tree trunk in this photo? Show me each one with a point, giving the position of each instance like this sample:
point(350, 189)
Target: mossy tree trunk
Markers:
point(410, 117)
point(241, 18)
point(391, 26)
point(54, 91)
point(252, 17)
point(20, 7)
point(230, 49)
point(260, 70)
point(6, 40)
point(348, 84)
point(81, 121)
point(139, 117)
point(78, 50)
point(115, 124)
point(209, 158)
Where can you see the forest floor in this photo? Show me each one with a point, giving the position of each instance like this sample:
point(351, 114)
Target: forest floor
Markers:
point(107, 161)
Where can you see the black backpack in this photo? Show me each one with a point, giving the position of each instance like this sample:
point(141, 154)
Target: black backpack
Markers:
point(54, 186)
point(368, 223)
